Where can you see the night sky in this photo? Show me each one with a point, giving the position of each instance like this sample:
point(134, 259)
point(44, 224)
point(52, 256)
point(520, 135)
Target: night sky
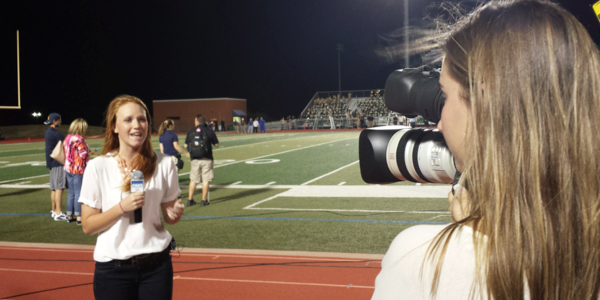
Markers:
point(77, 55)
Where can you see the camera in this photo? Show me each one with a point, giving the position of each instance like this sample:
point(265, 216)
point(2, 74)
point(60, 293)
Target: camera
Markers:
point(398, 153)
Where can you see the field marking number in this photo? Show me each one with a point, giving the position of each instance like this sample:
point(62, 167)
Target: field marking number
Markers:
point(262, 161)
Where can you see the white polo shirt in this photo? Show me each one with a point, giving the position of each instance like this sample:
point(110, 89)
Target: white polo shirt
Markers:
point(101, 188)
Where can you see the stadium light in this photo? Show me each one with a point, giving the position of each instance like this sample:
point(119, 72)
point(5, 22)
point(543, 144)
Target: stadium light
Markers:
point(36, 114)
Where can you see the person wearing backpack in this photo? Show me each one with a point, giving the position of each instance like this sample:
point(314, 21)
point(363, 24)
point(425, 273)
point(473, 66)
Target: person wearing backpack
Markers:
point(199, 143)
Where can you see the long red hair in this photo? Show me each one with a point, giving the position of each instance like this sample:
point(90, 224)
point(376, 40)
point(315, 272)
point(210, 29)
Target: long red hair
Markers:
point(145, 161)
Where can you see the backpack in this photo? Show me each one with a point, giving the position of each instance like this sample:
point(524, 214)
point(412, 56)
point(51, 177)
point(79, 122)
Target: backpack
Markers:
point(199, 144)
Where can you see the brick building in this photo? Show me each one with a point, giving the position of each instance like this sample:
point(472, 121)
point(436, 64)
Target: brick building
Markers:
point(183, 111)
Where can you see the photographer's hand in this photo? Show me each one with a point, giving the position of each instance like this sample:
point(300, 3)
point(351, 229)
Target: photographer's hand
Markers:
point(459, 203)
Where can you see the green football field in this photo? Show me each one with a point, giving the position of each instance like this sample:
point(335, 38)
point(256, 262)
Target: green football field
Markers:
point(277, 191)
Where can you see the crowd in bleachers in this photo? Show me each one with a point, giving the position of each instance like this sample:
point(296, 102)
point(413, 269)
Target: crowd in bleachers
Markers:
point(373, 106)
point(340, 107)
point(334, 106)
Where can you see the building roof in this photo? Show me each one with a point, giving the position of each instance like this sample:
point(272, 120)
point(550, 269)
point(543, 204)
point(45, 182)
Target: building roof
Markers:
point(199, 99)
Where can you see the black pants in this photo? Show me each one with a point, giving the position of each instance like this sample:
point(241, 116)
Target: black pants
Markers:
point(115, 280)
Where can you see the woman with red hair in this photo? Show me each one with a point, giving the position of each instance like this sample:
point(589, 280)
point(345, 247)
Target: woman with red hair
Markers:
point(132, 259)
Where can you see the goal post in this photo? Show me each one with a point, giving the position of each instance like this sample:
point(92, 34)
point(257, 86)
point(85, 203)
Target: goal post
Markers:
point(18, 106)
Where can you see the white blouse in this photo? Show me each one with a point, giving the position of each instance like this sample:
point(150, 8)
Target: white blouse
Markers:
point(101, 188)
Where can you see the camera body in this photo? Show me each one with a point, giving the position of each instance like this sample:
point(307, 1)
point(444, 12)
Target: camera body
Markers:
point(399, 153)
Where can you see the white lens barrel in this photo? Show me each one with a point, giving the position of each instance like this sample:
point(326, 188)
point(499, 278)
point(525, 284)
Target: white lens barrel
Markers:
point(434, 161)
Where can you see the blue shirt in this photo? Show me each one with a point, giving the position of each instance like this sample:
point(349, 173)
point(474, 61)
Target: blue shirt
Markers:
point(52, 137)
point(262, 123)
point(167, 140)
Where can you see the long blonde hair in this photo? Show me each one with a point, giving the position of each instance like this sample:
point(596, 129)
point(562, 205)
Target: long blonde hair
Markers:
point(164, 126)
point(145, 161)
point(531, 75)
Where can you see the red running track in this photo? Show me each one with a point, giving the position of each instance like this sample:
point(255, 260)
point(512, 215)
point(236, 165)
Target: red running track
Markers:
point(59, 273)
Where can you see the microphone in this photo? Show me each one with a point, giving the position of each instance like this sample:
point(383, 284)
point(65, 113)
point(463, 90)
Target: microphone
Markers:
point(137, 185)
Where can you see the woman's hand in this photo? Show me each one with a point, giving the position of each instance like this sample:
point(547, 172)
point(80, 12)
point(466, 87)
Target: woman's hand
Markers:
point(459, 203)
point(133, 201)
point(172, 211)
point(175, 211)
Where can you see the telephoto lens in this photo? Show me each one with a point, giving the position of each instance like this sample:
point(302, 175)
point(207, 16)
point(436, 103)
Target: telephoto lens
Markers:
point(398, 153)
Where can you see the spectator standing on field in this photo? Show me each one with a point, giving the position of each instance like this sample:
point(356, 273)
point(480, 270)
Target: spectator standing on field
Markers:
point(255, 125)
point(169, 143)
point(262, 125)
point(412, 122)
point(223, 125)
point(58, 181)
point(250, 126)
point(77, 155)
point(236, 126)
point(199, 143)
point(282, 123)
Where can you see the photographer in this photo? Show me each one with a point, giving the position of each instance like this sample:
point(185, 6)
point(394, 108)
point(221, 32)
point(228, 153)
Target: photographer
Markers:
point(522, 118)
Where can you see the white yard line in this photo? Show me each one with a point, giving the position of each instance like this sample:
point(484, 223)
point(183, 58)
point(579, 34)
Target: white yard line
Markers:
point(25, 186)
point(371, 192)
point(342, 183)
point(44, 154)
point(32, 163)
point(3, 151)
point(313, 180)
point(346, 210)
point(19, 179)
point(271, 183)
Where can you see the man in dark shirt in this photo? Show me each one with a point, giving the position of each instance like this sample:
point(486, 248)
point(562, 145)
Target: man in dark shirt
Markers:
point(262, 125)
point(202, 168)
point(58, 180)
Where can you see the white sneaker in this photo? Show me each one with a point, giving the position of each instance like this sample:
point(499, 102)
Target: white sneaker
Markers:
point(61, 217)
point(52, 214)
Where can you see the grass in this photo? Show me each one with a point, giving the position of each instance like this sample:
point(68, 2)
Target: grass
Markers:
point(264, 167)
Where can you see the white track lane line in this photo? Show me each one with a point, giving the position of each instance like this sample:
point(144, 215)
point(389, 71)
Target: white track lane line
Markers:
point(282, 257)
point(208, 279)
point(281, 282)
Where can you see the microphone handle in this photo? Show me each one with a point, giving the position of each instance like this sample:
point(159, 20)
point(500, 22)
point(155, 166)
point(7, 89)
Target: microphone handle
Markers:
point(137, 215)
